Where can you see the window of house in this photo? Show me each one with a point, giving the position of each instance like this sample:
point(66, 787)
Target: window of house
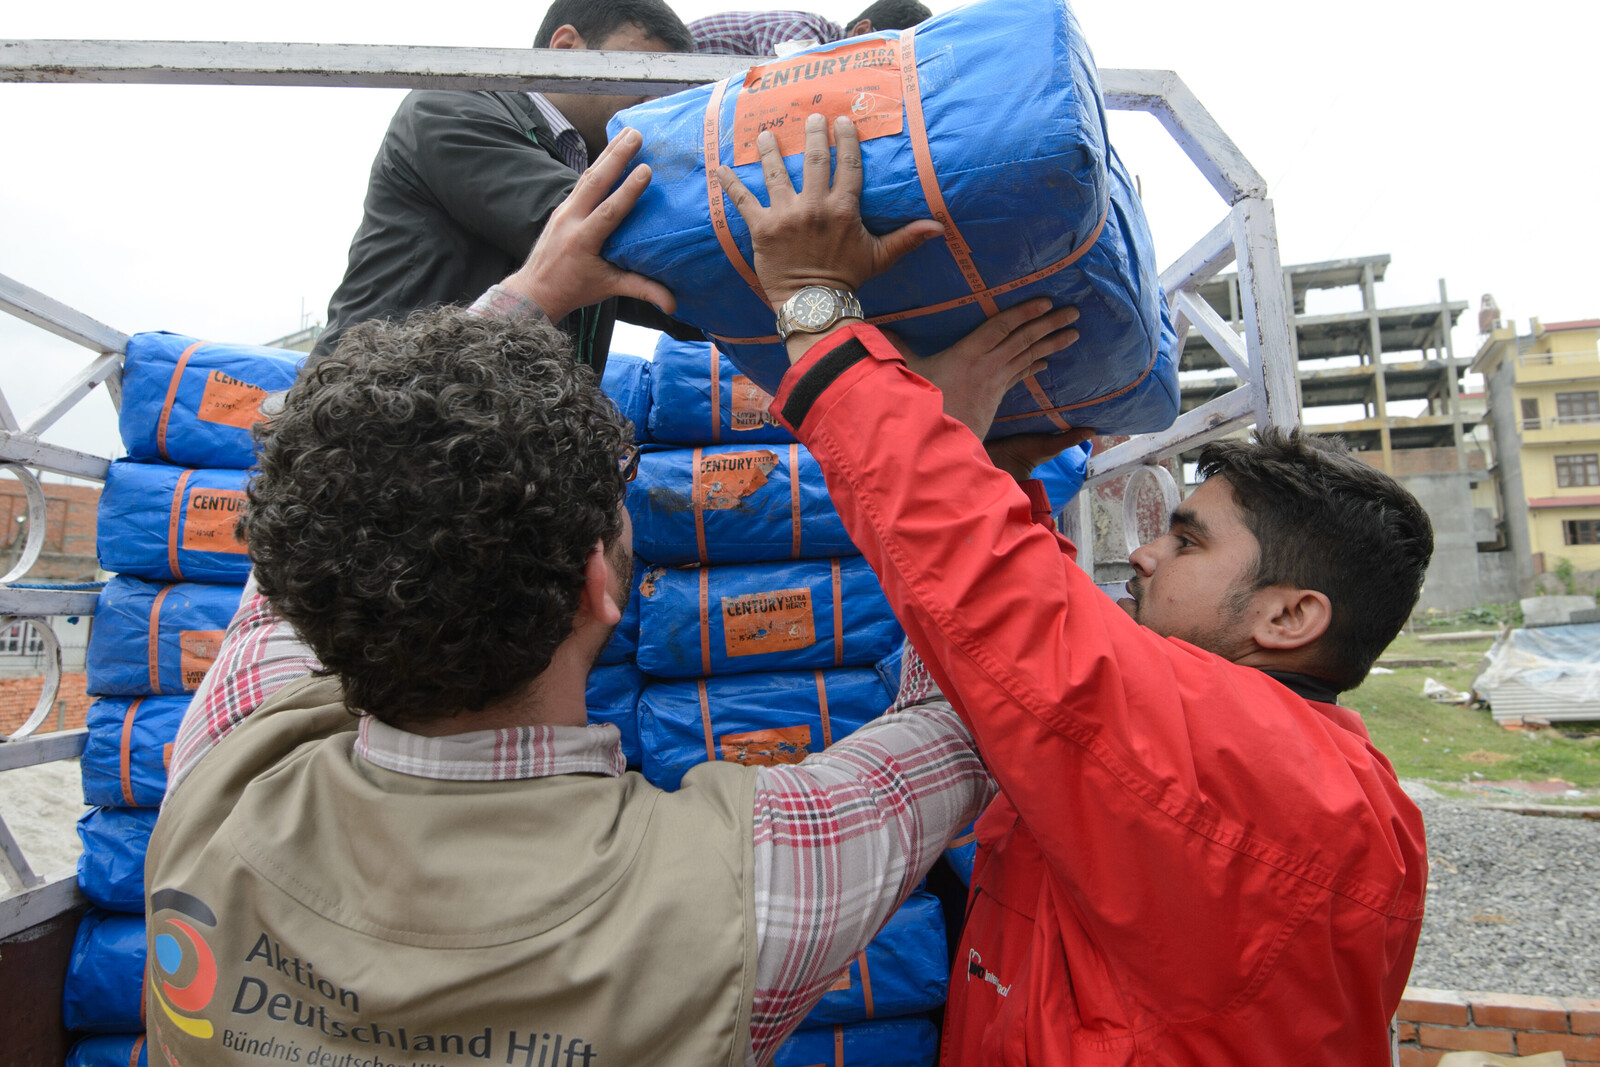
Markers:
point(1581, 531)
point(1530, 413)
point(1578, 407)
point(20, 638)
point(1575, 471)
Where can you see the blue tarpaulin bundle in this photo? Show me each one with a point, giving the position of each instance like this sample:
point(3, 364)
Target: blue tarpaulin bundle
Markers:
point(110, 1050)
point(988, 118)
point(734, 504)
point(188, 619)
point(111, 867)
point(699, 397)
point(1063, 476)
point(763, 617)
point(613, 697)
point(962, 853)
point(627, 383)
point(912, 1042)
point(624, 643)
point(906, 969)
point(753, 718)
point(171, 523)
point(192, 403)
point(105, 975)
point(125, 757)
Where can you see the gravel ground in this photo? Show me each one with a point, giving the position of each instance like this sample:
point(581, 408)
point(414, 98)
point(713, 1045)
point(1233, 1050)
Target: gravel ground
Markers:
point(1513, 901)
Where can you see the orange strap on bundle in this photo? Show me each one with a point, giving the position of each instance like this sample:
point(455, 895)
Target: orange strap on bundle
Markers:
point(794, 501)
point(155, 639)
point(173, 523)
point(127, 752)
point(838, 615)
point(172, 397)
point(705, 720)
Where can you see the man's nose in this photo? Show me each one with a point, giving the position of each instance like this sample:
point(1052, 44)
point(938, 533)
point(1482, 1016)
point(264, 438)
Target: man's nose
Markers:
point(1143, 559)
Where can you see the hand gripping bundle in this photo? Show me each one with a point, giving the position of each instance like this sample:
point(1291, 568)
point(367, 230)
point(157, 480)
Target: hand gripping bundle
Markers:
point(987, 119)
point(166, 526)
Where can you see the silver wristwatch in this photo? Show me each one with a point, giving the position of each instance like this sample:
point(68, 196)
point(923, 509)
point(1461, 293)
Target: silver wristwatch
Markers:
point(815, 308)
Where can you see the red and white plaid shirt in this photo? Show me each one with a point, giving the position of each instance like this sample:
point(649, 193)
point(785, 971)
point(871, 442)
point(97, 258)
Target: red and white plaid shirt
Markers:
point(759, 33)
point(840, 840)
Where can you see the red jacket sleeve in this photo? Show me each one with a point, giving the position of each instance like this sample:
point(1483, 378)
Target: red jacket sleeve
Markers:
point(1128, 755)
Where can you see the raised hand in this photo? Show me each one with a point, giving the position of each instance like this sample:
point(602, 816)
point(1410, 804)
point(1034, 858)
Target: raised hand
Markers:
point(565, 270)
point(977, 371)
point(815, 236)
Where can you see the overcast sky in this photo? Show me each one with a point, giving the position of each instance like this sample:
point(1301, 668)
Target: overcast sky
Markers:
point(1459, 138)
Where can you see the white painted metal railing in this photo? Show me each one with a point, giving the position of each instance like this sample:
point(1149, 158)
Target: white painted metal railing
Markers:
point(1261, 356)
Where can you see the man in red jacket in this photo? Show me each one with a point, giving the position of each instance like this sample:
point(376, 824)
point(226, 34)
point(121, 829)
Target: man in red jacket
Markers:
point(1198, 857)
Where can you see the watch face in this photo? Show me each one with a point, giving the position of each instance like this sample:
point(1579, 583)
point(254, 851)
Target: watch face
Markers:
point(813, 306)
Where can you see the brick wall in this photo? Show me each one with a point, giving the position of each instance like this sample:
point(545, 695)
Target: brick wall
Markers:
point(1436, 1021)
point(70, 513)
point(19, 695)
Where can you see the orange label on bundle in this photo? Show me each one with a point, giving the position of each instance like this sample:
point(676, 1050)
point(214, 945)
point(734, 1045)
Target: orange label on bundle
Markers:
point(230, 402)
point(779, 621)
point(210, 518)
point(750, 403)
point(197, 652)
point(726, 478)
point(861, 81)
point(763, 748)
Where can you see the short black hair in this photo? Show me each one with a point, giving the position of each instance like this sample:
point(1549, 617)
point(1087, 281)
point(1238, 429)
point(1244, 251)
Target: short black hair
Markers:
point(893, 15)
point(595, 20)
point(1329, 521)
point(426, 504)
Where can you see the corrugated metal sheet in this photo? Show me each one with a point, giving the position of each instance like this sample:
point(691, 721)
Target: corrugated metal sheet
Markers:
point(1557, 701)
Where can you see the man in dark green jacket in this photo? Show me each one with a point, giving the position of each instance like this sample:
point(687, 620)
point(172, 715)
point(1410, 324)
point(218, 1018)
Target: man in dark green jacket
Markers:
point(464, 182)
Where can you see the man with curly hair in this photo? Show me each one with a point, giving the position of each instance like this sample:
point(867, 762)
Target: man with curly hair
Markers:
point(390, 834)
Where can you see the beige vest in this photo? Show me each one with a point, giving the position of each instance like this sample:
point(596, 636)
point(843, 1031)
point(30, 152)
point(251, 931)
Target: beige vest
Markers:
point(309, 908)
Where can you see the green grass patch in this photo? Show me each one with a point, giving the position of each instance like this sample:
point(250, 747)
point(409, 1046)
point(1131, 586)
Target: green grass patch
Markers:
point(1445, 743)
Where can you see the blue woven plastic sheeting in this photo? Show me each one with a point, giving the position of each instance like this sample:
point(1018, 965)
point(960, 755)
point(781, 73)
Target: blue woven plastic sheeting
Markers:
point(105, 975)
point(754, 718)
point(1063, 476)
point(699, 397)
point(153, 515)
point(192, 621)
point(110, 1050)
point(111, 866)
point(907, 969)
point(125, 757)
point(627, 383)
point(963, 853)
point(613, 697)
point(739, 502)
point(763, 617)
point(1016, 150)
point(198, 414)
point(910, 1042)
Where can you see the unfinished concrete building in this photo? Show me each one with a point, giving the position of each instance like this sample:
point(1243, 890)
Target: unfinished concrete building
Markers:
point(1388, 381)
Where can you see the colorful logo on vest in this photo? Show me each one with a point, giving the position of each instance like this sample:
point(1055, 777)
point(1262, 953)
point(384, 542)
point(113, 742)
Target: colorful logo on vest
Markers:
point(184, 977)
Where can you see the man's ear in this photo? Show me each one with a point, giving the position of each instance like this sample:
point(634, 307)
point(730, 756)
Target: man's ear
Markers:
point(864, 26)
point(595, 601)
point(566, 37)
point(1292, 618)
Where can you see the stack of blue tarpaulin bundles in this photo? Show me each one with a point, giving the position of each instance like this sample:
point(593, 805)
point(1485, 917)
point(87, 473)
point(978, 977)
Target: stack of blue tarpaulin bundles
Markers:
point(762, 637)
point(988, 118)
point(167, 529)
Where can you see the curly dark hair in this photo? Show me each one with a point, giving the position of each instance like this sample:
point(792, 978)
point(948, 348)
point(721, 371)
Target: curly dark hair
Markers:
point(426, 502)
point(1326, 520)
